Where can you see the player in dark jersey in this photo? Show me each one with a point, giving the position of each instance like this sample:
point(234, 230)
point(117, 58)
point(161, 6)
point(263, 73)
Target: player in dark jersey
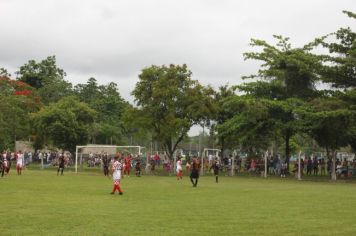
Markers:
point(138, 167)
point(194, 175)
point(215, 166)
point(61, 162)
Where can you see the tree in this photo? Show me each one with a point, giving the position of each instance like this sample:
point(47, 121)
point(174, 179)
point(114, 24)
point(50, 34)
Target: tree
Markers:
point(13, 120)
point(284, 116)
point(294, 68)
point(340, 63)
point(47, 78)
point(222, 113)
point(290, 73)
point(110, 107)
point(17, 99)
point(170, 102)
point(250, 125)
point(331, 128)
point(4, 73)
point(64, 124)
point(332, 123)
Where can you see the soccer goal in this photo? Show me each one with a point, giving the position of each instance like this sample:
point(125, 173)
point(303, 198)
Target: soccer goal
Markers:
point(88, 152)
point(209, 155)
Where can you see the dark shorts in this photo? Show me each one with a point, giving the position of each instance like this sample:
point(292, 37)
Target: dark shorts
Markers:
point(194, 174)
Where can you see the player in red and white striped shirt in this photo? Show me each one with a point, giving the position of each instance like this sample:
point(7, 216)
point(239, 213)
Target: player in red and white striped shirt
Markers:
point(116, 174)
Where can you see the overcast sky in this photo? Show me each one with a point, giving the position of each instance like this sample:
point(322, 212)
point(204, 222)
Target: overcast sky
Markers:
point(113, 40)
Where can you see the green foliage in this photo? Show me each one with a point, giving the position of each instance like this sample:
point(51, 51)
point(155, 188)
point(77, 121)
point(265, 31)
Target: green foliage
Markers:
point(340, 64)
point(47, 78)
point(294, 68)
point(110, 107)
point(264, 89)
point(329, 122)
point(250, 126)
point(220, 115)
point(15, 106)
point(331, 128)
point(4, 73)
point(170, 102)
point(13, 120)
point(65, 124)
point(270, 106)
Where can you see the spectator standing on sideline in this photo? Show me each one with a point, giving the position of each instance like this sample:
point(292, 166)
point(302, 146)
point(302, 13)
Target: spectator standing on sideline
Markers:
point(105, 161)
point(283, 169)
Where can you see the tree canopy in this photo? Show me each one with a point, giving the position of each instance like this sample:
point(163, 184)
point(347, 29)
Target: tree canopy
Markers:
point(170, 102)
point(64, 124)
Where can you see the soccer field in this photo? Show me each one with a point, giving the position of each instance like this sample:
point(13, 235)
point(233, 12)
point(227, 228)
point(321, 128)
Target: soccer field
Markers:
point(42, 203)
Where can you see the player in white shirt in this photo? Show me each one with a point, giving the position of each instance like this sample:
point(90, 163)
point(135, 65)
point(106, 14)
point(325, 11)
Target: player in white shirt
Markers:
point(116, 175)
point(179, 169)
point(19, 162)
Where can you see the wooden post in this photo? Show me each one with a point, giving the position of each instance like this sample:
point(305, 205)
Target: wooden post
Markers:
point(76, 160)
point(333, 172)
point(299, 170)
point(232, 166)
point(266, 155)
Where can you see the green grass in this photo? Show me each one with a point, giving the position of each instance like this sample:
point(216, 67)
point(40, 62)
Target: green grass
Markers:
point(41, 203)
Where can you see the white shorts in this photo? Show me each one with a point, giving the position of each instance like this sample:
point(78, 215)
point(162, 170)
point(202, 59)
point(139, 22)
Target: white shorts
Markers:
point(116, 175)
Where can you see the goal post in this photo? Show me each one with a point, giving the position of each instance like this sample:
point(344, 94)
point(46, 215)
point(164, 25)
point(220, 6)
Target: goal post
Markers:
point(112, 148)
point(207, 154)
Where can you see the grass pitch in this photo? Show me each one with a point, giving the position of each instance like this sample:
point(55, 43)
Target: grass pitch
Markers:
point(42, 203)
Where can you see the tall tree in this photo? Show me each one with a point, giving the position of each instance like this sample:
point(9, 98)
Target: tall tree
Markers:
point(291, 73)
point(334, 120)
point(222, 113)
point(170, 102)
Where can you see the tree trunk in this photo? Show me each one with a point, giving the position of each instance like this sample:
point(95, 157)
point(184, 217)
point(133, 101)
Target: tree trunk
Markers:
point(333, 171)
point(222, 146)
point(287, 139)
point(169, 149)
point(327, 152)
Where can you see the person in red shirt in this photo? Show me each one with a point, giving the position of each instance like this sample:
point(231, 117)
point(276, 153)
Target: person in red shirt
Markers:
point(156, 159)
point(127, 165)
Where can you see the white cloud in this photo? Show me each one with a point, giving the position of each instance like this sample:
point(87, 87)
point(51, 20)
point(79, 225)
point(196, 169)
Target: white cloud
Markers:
point(113, 40)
